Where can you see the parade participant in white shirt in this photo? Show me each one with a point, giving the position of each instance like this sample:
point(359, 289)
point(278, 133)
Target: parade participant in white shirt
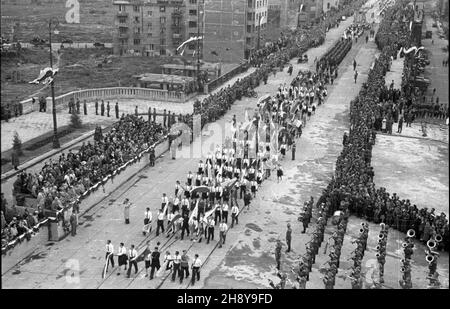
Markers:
point(109, 254)
point(253, 186)
point(198, 180)
point(201, 167)
point(126, 210)
point(176, 261)
point(223, 228)
point(196, 264)
point(234, 215)
point(177, 188)
point(225, 212)
point(147, 260)
point(176, 204)
point(122, 253)
point(164, 201)
point(243, 188)
point(189, 178)
point(211, 224)
point(132, 257)
point(160, 222)
point(217, 212)
point(147, 221)
point(184, 266)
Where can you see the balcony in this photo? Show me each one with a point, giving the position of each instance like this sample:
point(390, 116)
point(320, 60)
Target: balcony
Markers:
point(123, 35)
point(122, 14)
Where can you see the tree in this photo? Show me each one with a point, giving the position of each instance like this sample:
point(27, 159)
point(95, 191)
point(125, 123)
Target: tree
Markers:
point(17, 144)
point(75, 120)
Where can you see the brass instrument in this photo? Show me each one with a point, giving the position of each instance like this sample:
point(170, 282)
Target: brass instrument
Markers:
point(430, 258)
point(404, 245)
point(411, 233)
point(431, 244)
point(380, 236)
point(383, 226)
point(438, 238)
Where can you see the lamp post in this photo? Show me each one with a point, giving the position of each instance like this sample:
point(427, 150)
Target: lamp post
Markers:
point(53, 22)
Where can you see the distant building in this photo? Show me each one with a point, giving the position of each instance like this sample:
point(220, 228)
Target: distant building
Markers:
point(310, 10)
point(329, 5)
point(149, 27)
point(231, 28)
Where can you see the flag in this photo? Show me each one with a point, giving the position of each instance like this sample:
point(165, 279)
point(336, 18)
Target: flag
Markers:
point(46, 76)
point(194, 213)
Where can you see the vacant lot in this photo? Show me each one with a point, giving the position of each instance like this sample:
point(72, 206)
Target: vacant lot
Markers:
point(96, 20)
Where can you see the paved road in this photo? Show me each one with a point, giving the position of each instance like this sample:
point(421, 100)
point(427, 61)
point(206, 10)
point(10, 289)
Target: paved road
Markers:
point(105, 220)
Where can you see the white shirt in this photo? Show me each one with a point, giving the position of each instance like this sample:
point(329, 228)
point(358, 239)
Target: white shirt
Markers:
point(225, 207)
point(177, 259)
point(170, 216)
point(161, 216)
point(211, 223)
point(122, 250)
point(223, 227)
point(185, 202)
point(148, 215)
point(164, 199)
point(109, 248)
point(132, 254)
point(234, 209)
point(197, 263)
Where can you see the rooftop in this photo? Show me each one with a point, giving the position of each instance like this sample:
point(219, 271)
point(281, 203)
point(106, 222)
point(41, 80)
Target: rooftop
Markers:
point(164, 78)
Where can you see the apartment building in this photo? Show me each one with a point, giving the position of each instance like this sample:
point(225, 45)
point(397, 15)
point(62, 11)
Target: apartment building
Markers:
point(310, 10)
point(149, 27)
point(330, 4)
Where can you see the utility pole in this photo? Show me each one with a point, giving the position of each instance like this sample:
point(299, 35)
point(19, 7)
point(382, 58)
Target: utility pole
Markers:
point(55, 127)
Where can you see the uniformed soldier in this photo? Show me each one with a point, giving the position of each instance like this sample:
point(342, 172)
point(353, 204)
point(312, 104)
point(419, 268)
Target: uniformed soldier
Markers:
point(102, 108)
point(108, 108)
point(96, 106)
point(78, 106)
point(85, 107)
point(116, 107)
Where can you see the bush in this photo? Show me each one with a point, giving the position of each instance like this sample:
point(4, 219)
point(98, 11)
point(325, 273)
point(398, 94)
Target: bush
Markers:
point(75, 120)
point(17, 144)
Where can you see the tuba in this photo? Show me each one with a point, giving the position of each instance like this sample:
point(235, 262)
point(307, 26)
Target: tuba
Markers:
point(411, 233)
point(438, 238)
point(380, 236)
point(383, 226)
point(404, 245)
point(431, 244)
point(429, 258)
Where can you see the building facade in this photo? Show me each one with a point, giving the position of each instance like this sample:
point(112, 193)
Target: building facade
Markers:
point(329, 5)
point(310, 10)
point(151, 27)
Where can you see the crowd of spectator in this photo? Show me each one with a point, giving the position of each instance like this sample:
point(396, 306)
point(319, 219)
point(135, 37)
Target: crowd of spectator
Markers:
point(352, 186)
point(60, 182)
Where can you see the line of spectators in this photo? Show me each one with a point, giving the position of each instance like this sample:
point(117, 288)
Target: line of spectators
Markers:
point(352, 186)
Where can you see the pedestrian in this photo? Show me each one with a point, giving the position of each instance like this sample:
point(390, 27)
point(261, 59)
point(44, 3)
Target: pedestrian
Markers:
point(210, 229)
point(278, 254)
point(225, 212)
point(78, 105)
point(247, 199)
point(155, 264)
point(176, 265)
point(400, 124)
point(73, 223)
point(147, 261)
point(223, 228)
point(279, 173)
point(152, 157)
point(136, 111)
point(109, 256)
point(234, 215)
point(184, 266)
point(108, 108)
point(196, 264)
point(117, 109)
point(15, 159)
point(147, 222)
point(293, 151)
point(122, 253)
point(126, 210)
point(85, 107)
point(185, 226)
point(160, 222)
point(367, 39)
point(96, 107)
point(354, 64)
point(132, 260)
point(102, 108)
point(288, 237)
point(356, 76)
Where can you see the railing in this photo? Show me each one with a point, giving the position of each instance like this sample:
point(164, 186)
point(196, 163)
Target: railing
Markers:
point(224, 78)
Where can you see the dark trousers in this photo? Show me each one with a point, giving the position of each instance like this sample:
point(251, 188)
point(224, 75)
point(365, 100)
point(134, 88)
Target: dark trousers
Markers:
point(110, 260)
point(132, 263)
point(222, 238)
point(288, 241)
point(210, 234)
point(152, 270)
point(159, 224)
point(195, 272)
point(242, 192)
point(225, 216)
point(184, 228)
point(216, 215)
point(234, 218)
point(74, 229)
point(175, 270)
point(183, 270)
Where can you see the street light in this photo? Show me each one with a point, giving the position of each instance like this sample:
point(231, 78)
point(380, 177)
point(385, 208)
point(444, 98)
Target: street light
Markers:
point(53, 23)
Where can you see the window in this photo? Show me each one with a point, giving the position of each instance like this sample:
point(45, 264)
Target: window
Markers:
point(137, 41)
point(137, 30)
point(193, 1)
point(162, 8)
point(248, 40)
point(136, 8)
point(163, 41)
point(149, 34)
point(123, 30)
point(192, 34)
point(249, 16)
point(151, 46)
point(123, 42)
point(162, 51)
point(122, 19)
point(193, 12)
point(149, 26)
point(149, 13)
point(136, 19)
point(192, 24)
point(121, 8)
point(249, 28)
point(162, 20)
point(250, 3)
